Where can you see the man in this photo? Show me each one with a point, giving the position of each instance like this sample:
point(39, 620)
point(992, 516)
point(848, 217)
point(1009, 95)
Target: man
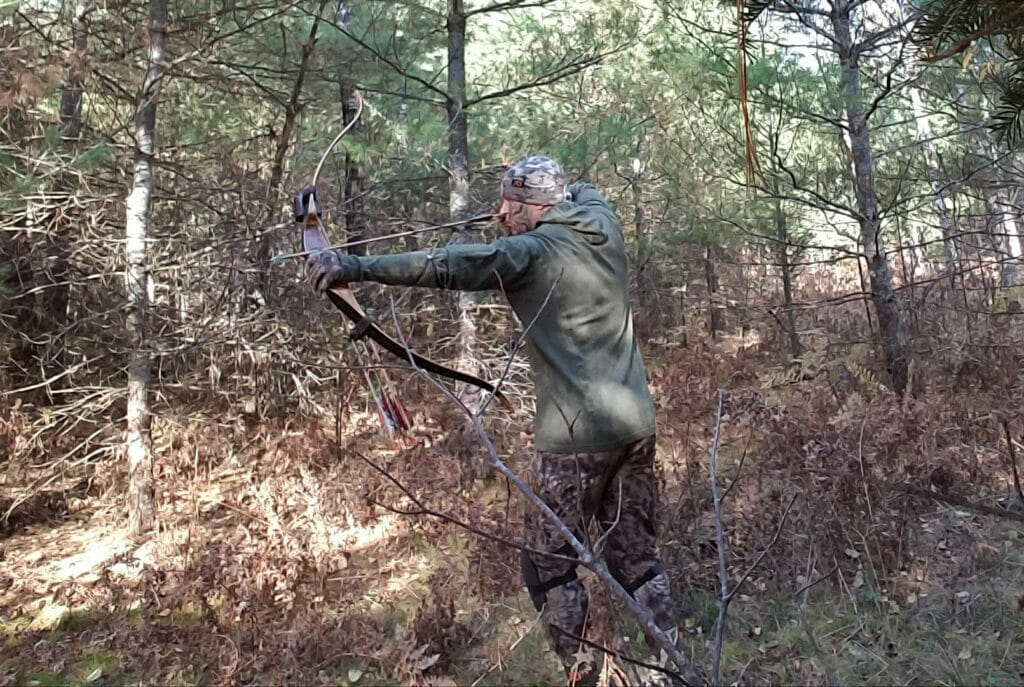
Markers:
point(563, 269)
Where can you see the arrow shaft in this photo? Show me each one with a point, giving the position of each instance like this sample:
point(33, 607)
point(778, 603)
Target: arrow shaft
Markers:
point(387, 237)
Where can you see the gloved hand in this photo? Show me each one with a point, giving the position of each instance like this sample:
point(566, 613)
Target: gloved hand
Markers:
point(326, 268)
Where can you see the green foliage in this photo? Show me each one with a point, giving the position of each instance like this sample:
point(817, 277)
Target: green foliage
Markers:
point(6, 269)
point(52, 137)
point(955, 26)
point(1009, 116)
point(950, 21)
point(7, 163)
point(94, 158)
point(17, 186)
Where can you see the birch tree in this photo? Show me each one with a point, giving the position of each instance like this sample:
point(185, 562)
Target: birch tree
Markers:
point(138, 445)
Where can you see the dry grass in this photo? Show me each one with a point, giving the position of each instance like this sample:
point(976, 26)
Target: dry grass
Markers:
point(278, 560)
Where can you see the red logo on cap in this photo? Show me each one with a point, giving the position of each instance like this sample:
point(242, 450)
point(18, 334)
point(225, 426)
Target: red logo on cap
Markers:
point(518, 183)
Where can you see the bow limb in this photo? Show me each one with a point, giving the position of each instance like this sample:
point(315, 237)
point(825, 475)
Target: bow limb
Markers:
point(314, 239)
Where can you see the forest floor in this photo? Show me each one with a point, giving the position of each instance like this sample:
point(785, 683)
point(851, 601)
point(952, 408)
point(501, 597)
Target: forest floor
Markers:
point(280, 557)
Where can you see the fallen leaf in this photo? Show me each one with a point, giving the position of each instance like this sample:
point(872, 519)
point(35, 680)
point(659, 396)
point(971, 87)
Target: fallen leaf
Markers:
point(965, 654)
point(50, 617)
point(426, 661)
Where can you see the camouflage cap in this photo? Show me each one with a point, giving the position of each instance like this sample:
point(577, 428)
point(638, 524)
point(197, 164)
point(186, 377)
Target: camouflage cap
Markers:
point(537, 180)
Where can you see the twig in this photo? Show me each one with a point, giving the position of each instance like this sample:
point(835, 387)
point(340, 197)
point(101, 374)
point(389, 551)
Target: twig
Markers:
point(619, 655)
point(764, 552)
point(739, 468)
point(990, 28)
point(723, 571)
point(947, 499)
point(242, 511)
point(481, 407)
point(599, 544)
point(810, 585)
point(46, 382)
point(728, 594)
point(801, 601)
point(425, 510)
point(1013, 462)
point(860, 460)
point(592, 562)
point(511, 648)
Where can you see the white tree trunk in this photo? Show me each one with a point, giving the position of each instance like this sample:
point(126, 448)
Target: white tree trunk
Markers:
point(1008, 228)
point(138, 446)
point(922, 122)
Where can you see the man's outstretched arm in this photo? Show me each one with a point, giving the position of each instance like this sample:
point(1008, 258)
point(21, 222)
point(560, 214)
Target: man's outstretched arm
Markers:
point(467, 267)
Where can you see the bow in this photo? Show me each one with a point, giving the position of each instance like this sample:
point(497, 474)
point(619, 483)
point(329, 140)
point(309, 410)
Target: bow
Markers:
point(314, 239)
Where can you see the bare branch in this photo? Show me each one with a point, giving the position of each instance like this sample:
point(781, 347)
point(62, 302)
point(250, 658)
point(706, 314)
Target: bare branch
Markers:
point(726, 593)
point(395, 65)
point(723, 570)
point(557, 74)
point(1013, 462)
point(992, 27)
point(801, 602)
point(589, 560)
point(506, 6)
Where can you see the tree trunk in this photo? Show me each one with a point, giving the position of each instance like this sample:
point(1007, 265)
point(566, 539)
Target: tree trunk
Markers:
point(458, 164)
point(782, 256)
point(57, 295)
point(138, 446)
point(644, 281)
point(1003, 198)
point(284, 140)
point(1009, 231)
point(890, 326)
point(355, 214)
point(711, 279)
point(72, 87)
point(458, 128)
point(924, 134)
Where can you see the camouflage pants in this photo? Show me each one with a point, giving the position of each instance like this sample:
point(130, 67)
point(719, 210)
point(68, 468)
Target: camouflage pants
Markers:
point(619, 490)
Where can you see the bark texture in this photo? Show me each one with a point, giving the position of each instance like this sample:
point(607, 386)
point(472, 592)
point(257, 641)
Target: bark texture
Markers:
point(883, 298)
point(138, 445)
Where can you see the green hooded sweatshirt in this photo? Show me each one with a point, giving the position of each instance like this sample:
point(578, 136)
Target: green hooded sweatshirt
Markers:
point(567, 282)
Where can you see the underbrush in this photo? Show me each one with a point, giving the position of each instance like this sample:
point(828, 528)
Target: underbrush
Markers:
point(952, 623)
point(886, 532)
